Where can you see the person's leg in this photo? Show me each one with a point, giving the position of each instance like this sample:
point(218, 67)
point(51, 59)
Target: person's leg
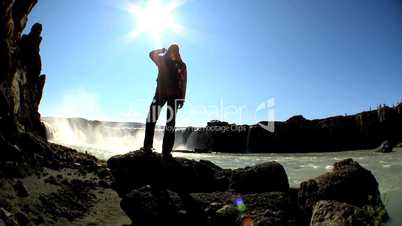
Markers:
point(153, 115)
point(169, 135)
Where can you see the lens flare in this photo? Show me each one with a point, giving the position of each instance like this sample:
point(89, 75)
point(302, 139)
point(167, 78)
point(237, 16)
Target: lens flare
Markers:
point(247, 221)
point(239, 203)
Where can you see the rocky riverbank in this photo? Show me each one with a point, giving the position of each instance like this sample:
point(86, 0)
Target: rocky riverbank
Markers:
point(187, 192)
point(48, 184)
point(41, 183)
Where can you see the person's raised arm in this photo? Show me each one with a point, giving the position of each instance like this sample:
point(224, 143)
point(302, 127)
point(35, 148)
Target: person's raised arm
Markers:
point(155, 55)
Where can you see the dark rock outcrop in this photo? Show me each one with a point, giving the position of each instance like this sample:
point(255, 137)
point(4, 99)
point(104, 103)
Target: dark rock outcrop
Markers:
point(191, 176)
point(149, 206)
point(20, 189)
point(26, 157)
point(348, 183)
point(21, 84)
point(339, 214)
point(137, 169)
point(364, 130)
point(385, 147)
point(335, 213)
point(267, 208)
point(269, 176)
point(6, 218)
point(187, 192)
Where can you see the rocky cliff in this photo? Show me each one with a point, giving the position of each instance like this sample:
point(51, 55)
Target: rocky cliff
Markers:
point(366, 130)
point(41, 183)
point(21, 83)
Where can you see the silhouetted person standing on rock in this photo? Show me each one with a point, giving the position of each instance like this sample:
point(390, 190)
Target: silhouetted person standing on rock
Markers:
point(171, 89)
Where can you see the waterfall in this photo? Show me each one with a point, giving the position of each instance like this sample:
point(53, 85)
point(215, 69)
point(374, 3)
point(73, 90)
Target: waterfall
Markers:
point(105, 139)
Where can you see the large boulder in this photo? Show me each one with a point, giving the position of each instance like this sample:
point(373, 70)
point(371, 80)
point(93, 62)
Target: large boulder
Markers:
point(148, 206)
point(341, 214)
point(265, 177)
point(137, 169)
point(385, 147)
point(348, 183)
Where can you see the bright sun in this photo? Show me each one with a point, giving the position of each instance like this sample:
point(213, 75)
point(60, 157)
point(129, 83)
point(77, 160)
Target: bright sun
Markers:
point(154, 18)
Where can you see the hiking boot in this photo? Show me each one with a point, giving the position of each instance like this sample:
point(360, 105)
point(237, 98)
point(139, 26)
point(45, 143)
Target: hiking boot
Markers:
point(146, 150)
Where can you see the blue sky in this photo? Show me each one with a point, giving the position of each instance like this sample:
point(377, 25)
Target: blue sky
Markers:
point(317, 58)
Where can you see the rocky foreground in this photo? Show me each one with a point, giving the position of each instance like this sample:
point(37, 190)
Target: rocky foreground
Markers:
point(47, 184)
point(186, 192)
point(41, 183)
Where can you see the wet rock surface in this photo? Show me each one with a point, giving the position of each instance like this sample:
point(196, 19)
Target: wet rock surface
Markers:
point(342, 214)
point(385, 147)
point(348, 183)
point(151, 200)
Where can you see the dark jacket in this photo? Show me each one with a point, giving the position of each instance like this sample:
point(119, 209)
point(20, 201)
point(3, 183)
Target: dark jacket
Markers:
point(172, 77)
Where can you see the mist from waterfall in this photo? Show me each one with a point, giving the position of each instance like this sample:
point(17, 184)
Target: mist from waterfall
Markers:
point(104, 139)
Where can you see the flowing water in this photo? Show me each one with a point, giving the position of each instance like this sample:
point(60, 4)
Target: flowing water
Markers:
point(387, 168)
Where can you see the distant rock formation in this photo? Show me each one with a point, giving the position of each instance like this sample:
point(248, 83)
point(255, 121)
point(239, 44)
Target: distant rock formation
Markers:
point(21, 83)
point(179, 192)
point(366, 130)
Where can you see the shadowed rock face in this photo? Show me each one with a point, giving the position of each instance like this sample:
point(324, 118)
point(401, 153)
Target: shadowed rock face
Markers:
point(21, 84)
point(269, 176)
point(365, 130)
point(339, 214)
point(187, 192)
point(348, 183)
point(137, 169)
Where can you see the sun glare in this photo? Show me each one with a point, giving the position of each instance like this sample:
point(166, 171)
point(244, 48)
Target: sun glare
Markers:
point(154, 18)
